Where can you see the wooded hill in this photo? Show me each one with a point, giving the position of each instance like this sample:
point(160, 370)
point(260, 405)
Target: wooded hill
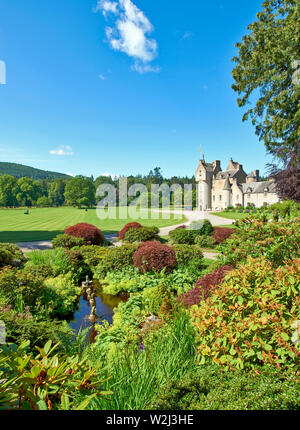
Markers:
point(20, 171)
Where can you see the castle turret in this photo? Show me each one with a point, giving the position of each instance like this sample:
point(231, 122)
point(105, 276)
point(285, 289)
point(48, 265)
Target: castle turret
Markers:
point(204, 177)
point(227, 193)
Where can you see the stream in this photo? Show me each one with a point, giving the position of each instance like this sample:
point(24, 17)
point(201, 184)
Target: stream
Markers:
point(106, 304)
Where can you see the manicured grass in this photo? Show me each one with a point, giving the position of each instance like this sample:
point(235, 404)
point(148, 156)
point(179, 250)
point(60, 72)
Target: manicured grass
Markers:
point(46, 223)
point(231, 215)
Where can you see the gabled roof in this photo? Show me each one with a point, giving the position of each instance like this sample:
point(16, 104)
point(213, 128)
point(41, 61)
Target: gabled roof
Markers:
point(226, 174)
point(227, 185)
point(259, 187)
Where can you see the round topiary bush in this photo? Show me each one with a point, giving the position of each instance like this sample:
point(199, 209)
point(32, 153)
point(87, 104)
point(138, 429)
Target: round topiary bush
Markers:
point(131, 225)
point(91, 234)
point(182, 236)
point(67, 241)
point(11, 255)
point(201, 227)
point(143, 234)
point(154, 256)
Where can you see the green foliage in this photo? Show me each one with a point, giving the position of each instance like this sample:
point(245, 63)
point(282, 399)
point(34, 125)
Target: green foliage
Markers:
point(286, 210)
point(21, 327)
point(128, 280)
point(201, 227)
point(212, 388)
point(143, 234)
point(186, 253)
point(205, 241)
point(248, 320)
point(116, 259)
point(47, 381)
point(93, 254)
point(60, 295)
point(19, 171)
point(66, 241)
point(277, 241)
point(267, 63)
point(80, 191)
point(61, 262)
point(138, 375)
point(11, 255)
point(182, 236)
point(43, 202)
point(19, 288)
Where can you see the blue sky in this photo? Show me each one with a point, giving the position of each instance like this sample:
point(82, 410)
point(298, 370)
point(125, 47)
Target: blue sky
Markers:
point(121, 87)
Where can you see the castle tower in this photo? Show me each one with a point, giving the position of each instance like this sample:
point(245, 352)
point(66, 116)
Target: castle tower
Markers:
point(204, 178)
point(227, 193)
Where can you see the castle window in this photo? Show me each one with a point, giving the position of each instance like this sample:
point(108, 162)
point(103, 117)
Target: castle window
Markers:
point(214, 198)
point(220, 198)
point(237, 197)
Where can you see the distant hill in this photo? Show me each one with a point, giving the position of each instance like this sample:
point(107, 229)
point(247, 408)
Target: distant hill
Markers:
point(19, 171)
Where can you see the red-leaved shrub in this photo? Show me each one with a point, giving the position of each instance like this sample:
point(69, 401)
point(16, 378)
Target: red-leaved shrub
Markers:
point(91, 234)
point(204, 286)
point(222, 233)
point(154, 255)
point(121, 234)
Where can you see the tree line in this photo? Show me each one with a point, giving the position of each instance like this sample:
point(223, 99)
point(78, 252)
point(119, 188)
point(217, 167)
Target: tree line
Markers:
point(79, 191)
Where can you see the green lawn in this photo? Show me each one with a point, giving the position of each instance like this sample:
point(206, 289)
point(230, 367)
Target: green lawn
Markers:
point(46, 223)
point(231, 215)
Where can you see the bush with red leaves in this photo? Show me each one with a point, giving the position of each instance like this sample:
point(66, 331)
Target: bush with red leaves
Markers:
point(204, 287)
point(222, 233)
point(91, 234)
point(155, 256)
point(121, 234)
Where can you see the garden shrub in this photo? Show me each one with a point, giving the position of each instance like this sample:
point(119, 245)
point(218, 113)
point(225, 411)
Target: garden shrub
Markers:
point(204, 286)
point(116, 259)
point(67, 241)
point(154, 297)
point(131, 225)
point(19, 288)
point(143, 234)
point(93, 254)
point(212, 388)
point(277, 241)
point(11, 255)
point(201, 227)
point(248, 320)
point(182, 236)
point(287, 209)
point(21, 327)
point(222, 233)
point(60, 295)
point(155, 256)
point(205, 241)
point(91, 234)
point(190, 257)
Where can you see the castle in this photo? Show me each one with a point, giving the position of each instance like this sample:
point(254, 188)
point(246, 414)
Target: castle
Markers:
point(219, 189)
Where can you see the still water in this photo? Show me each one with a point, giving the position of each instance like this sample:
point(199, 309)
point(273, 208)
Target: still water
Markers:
point(106, 304)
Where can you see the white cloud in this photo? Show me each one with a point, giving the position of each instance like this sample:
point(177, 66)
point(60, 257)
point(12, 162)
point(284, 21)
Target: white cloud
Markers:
point(70, 174)
point(187, 35)
point(129, 34)
point(107, 6)
point(102, 77)
point(62, 150)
